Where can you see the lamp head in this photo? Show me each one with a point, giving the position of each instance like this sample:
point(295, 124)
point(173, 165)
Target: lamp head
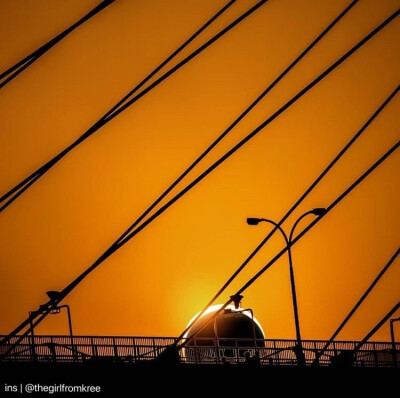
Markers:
point(318, 211)
point(253, 221)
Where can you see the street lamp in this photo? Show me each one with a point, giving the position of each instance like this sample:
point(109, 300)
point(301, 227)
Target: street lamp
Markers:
point(54, 310)
point(319, 212)
point(392, 321)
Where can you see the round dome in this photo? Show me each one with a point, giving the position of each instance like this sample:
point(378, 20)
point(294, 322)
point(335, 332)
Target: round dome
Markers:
point(231, 328)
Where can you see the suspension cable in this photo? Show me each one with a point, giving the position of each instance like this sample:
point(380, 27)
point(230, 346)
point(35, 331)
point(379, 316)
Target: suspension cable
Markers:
point(359, 302)
point(240, 117)
point(377, 327)
point(260, 127)
point(22, 186)
point(169, 58)
point(12, 72)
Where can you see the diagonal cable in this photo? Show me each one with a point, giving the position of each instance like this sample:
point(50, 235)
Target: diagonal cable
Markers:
point(22, 186)
point(12, 72)
point(357, 305)
point(241, 116)
point(377, 327)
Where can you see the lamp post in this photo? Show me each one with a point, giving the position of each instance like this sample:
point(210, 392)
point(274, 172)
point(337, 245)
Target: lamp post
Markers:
point(55, 310)
point(255, 221)
point(392, 321)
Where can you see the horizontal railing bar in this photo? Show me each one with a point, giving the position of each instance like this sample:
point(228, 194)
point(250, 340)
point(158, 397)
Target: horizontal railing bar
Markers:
point(62, 348)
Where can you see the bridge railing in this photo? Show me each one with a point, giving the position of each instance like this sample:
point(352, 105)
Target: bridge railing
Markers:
point(269, 352)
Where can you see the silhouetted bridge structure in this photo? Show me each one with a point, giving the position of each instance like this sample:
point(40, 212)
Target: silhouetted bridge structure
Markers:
point(269, 352)
point(22, 346)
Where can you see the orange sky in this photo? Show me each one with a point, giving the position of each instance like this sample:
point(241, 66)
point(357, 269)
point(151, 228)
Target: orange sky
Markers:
point(159, 280)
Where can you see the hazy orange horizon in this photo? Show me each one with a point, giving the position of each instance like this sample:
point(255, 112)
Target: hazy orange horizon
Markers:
point(159, 280)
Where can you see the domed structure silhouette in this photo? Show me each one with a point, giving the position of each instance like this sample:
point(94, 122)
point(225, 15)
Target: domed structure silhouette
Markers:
point(233, 327)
